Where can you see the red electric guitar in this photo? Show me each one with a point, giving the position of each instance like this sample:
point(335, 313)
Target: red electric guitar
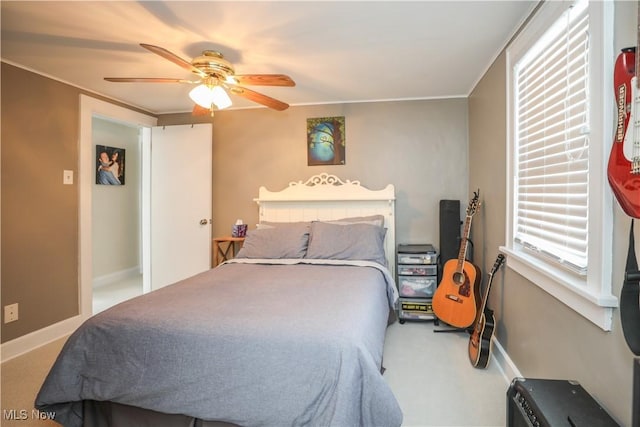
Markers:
point(623, 170)
point(456, 298)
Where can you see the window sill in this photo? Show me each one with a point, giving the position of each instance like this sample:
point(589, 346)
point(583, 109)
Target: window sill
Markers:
point(569, 289)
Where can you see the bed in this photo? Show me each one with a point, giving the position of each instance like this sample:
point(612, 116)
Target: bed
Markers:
point(290, 332)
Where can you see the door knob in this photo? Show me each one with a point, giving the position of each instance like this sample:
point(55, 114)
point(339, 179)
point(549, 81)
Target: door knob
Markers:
point(204, 222)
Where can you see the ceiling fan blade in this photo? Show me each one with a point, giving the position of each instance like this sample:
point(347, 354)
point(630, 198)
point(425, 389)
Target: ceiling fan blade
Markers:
point(258, 97)
point(264, 79)
point(201, 111)
point(147, 80)
point(173, 58)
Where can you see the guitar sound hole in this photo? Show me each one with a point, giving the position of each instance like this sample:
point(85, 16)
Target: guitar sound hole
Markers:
point(462, 281)
point(458, 278)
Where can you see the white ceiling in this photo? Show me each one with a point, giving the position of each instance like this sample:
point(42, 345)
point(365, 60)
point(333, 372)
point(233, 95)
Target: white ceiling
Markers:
point(337, 52)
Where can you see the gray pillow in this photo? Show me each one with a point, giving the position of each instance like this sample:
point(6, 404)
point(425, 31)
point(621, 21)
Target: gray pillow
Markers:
point(359, 241)
point(279, 242)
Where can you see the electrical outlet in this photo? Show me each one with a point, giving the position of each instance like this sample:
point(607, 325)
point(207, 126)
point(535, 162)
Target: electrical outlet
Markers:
point(10, 313)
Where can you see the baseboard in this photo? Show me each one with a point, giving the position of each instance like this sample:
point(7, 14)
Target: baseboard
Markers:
point(33, 340)
point(505, 364)
point(116, 276)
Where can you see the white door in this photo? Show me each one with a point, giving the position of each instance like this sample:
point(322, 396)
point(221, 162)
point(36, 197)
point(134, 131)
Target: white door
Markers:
point(180, 205)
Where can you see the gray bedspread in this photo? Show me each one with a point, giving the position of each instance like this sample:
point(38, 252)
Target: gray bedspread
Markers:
point(247, 343)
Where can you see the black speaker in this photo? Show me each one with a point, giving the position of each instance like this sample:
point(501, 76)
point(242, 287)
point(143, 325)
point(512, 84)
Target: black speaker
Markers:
point(551, 403)
point(449, 230)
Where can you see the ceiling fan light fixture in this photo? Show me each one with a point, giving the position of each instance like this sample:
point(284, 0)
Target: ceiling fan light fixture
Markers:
point(205, 95)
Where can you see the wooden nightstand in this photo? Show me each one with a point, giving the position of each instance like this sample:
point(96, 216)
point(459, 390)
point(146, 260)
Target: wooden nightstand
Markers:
point(224, 248)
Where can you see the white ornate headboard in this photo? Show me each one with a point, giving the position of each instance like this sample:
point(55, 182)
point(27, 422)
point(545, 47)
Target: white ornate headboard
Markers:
point(327, 197)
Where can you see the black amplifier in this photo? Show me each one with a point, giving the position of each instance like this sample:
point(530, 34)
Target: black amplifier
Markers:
point(553, 403)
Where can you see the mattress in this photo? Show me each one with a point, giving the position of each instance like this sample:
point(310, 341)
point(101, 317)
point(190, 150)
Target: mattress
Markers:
point(251, 342)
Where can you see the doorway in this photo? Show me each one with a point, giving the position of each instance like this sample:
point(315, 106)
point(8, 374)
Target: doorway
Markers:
point(106, 114)
point(116, 213)
point(174, 201)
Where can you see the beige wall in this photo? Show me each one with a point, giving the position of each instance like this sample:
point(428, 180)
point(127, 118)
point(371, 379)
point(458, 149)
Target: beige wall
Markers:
point(419, 146)
point(39, 230)
point(39, 213)
point(543, 337)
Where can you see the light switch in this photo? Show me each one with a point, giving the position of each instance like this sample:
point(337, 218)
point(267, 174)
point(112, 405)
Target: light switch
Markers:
point(67, 177)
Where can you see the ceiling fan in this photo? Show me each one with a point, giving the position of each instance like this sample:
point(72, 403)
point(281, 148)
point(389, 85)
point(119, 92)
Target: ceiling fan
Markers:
point(215, 74)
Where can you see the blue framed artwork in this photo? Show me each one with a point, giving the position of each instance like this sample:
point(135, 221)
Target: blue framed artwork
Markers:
point(325, 141)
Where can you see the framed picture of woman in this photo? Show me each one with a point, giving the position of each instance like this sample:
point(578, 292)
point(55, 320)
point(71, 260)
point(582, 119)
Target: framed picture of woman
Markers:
point(110, 165)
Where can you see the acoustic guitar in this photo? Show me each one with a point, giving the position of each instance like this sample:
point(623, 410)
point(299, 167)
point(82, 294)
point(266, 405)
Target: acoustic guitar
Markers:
point(480, 341)
point(623, 170)
point(456, 298)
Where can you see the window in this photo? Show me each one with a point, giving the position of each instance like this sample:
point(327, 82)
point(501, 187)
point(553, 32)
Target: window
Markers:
point(559, 211)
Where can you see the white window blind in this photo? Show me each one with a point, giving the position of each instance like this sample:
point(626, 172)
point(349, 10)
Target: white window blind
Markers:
point(552, 143)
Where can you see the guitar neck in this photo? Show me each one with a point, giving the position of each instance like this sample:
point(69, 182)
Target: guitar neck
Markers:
point(486, 293)
point(493, 271)
point(462, 253)
point(635, 157)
